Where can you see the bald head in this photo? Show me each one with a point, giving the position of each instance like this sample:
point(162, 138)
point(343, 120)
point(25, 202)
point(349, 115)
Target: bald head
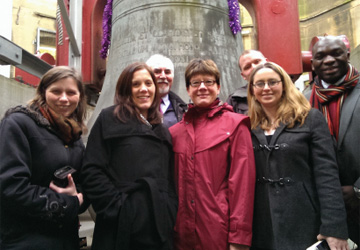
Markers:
point(248, 60)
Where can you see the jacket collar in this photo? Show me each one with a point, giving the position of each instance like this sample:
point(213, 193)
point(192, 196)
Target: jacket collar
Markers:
point(32, 112)
point(114, 128)
point(260, 135)
point(241, 92)
point(217, 107)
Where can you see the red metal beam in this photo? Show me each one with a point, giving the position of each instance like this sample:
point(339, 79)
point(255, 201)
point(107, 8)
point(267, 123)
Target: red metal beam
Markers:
point(277, 31)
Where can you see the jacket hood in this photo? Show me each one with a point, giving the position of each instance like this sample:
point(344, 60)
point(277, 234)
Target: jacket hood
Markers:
point(30, 111)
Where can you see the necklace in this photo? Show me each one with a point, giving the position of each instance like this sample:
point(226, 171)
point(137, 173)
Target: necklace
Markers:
point(146, 121)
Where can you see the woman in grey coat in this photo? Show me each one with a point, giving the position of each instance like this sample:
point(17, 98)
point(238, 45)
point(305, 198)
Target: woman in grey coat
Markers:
point(298, 197)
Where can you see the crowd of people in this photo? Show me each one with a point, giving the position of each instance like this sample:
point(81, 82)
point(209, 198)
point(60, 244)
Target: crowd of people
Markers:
point(269, 169)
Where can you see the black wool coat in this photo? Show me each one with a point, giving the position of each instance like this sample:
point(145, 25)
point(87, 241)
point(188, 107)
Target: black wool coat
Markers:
point(128, 176)
point(298, 193)
point(32, 216)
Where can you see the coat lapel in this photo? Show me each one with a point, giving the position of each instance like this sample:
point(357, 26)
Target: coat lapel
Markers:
point(347, 112)
point(277, 133)
point(259, 134)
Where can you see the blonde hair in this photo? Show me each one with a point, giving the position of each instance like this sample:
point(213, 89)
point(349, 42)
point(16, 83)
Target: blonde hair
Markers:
point(293, 106)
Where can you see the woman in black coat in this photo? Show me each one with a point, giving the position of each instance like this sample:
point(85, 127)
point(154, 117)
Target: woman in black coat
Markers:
point(128, 169)
point(298, 197)
point(37, 140)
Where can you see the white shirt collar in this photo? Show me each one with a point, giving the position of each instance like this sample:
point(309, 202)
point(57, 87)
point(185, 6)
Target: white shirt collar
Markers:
point(165, 103)
point(326, 85)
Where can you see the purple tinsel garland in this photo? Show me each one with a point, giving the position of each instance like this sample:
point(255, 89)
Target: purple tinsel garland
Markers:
point(234, 12)
point(105, 43)
point(234, 22)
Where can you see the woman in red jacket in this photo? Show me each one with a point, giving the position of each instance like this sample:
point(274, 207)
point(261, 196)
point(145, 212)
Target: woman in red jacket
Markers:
point(214, 166)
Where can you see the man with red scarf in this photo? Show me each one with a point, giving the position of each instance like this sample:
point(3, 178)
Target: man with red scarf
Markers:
point(336, 93)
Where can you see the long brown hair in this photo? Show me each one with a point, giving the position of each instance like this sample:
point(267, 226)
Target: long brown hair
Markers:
point(293, 106)
point(125, 107)
point(53, 75)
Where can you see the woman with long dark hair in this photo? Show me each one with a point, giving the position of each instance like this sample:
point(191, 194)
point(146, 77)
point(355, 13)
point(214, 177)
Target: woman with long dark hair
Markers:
point(128, 168)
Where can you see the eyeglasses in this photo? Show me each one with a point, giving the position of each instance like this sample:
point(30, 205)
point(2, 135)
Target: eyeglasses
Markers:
point(261, 84)
point(207, 83)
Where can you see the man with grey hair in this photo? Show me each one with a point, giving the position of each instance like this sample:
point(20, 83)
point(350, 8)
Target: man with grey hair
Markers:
point(172, 106)
point(248, 60)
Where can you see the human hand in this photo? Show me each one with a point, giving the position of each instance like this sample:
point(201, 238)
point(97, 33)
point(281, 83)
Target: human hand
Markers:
point(238, 247)
point(70, 189)
point(352, 203)
point(348, 192)
point(335, 243)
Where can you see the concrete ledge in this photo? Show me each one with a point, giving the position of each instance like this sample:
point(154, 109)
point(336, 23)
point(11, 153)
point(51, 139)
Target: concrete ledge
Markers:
point(13, 93)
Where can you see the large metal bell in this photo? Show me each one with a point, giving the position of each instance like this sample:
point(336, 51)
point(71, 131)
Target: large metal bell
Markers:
point(180, 30)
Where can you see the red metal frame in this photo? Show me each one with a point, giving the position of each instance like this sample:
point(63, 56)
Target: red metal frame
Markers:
point(62, 51)
point(92, 66)
point(277, 34)
point(278, 31)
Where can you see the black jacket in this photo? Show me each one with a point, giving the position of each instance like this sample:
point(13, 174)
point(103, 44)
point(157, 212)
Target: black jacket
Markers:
point(179, 107)
point(298, 193)
point(32, 216)
point(238, 100)
point(128, 176)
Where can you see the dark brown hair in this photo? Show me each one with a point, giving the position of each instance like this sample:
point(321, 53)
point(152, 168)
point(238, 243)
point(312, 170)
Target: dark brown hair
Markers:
point(125, 107)
point(53, 75)
point(200, 66)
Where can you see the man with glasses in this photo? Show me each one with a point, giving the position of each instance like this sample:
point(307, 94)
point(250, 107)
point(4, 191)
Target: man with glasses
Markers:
point(336, 93)
point(248, 60)
point(172, 106)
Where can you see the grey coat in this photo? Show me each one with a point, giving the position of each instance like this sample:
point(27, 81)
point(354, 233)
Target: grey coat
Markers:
point(298, 192)
point(348, 150)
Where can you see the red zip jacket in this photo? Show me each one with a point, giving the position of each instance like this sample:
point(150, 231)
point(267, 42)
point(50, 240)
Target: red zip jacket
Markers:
point(215, 178)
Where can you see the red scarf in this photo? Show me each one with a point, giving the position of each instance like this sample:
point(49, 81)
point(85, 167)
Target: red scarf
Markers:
point(329, 101)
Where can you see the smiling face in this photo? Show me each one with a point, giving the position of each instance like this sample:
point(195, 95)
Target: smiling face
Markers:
point(203, 96)
point(330, 59)
point(268, 97)
point(63, 96)
point(165, 77)
point(143, 91)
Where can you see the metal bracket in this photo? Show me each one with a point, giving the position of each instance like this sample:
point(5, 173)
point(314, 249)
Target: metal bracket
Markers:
point(12, 54)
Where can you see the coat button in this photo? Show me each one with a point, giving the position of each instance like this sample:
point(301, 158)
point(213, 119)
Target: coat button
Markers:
point(192, 201)
point(192, 157)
